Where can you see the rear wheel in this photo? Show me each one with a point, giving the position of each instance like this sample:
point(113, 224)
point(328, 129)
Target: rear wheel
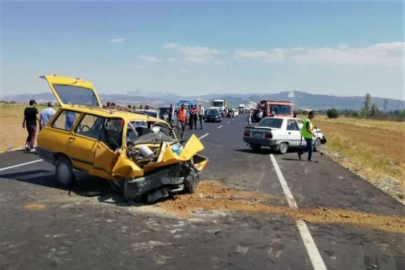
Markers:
point(256, 148)
point(64, 172)
point(283, 148)
point(317, 145)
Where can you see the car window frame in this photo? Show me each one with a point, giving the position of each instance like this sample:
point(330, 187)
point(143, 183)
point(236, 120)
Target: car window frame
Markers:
point(81, 119)
point(296, 125)
point(58, 114)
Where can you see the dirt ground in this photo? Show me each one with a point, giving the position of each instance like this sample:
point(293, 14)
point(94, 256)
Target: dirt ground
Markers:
point(212, 195)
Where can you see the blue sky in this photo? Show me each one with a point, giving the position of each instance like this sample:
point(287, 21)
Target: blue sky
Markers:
point(340, 48)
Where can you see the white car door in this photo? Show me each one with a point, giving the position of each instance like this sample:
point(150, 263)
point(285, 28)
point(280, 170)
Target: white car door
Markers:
point(294, 134)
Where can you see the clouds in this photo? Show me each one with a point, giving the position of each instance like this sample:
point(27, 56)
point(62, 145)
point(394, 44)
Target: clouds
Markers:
point(117, 40)
point(196, 54)
point(270, 56)
point(384, 55)
point(151, 59)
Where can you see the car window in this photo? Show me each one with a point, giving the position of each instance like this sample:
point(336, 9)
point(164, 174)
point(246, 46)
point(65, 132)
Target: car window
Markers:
point(66, 120)
point(271, 122)
point(291, 125)
point(113, 133)
point(300, 124)
point(91, 126)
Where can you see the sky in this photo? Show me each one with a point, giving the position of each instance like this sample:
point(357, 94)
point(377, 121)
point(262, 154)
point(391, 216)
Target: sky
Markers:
point(194, 48)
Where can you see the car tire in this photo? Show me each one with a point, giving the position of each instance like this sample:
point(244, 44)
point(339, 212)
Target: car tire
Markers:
point(191, 182)
point(64, 172)
point(256, 148)
point(283, 148)
point(317, 145)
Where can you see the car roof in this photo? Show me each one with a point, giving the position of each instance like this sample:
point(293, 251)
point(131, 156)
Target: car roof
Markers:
point(278, 117)
point(108, 113)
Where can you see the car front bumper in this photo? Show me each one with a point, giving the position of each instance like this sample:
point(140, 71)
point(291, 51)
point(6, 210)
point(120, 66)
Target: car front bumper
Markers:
point(261, 141)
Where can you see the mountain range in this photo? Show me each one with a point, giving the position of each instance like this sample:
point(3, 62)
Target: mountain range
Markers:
point(301, 100)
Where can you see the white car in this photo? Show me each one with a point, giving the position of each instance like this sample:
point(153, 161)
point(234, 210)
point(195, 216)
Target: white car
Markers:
point(279, 133)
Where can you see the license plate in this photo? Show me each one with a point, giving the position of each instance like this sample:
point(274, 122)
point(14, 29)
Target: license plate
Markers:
point(257, 134)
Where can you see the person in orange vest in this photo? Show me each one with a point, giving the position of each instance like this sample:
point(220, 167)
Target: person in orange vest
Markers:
point(182, 118)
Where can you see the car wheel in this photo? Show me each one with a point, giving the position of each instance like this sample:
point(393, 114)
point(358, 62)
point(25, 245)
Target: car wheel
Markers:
point(256, 148)
point(64, 172)
point(317, 145)
point(283, 148)
point(191, 182)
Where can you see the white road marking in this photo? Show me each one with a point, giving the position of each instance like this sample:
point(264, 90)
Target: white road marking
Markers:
point(19, 165)
point(309, 242)
point(220, 126)
point(203, 136)
point(228, 122)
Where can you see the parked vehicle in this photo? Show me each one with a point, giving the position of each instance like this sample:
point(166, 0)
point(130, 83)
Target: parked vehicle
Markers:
point(164, 113)
point(151, 113)
point(213, 115)
point(220, 104)
point(279, 133)
point(138, 155)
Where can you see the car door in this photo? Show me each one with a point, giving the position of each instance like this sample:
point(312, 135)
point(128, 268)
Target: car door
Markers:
point(294, 134)
point(106, 152)
point(82, 143)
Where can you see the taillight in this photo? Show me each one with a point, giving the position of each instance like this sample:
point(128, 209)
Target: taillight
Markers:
point(246, 133)
point(268, 136)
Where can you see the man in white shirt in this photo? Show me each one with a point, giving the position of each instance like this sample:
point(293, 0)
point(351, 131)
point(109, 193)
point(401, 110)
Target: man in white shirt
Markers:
point(201, 115)
point(46, 114)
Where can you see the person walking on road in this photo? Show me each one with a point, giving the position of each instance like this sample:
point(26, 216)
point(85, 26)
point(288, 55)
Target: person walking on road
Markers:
point(308, 133)
point(194, 116)
point(201, 112)
point(30, 122)
point(170, 114)
point(46, 115)
point(182, 119)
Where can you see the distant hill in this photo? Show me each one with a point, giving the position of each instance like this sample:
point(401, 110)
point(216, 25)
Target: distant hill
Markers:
point(302, 100)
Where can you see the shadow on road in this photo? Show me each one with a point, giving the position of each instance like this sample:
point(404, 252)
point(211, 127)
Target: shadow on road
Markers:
point(85, 186)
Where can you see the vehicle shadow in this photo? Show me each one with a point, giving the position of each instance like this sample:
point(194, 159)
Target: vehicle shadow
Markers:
point(85, 186)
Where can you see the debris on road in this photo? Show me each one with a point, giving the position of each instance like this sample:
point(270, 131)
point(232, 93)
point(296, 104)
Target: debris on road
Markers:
point(213, 195)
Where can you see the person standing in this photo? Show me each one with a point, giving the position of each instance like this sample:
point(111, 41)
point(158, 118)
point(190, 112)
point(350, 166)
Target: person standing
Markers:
point(194, 113)
point(201, 112)
point(46, 115)
point(182, 119)
point(308, 133)
point(170, 114)
point(249, 118)
point(30, 122)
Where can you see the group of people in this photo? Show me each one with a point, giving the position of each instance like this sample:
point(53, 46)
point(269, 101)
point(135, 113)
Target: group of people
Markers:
point(191, 116)
point(31, 117)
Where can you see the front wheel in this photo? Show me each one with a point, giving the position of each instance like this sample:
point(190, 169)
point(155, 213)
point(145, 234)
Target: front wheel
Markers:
point(283, 148)
point(64, 172)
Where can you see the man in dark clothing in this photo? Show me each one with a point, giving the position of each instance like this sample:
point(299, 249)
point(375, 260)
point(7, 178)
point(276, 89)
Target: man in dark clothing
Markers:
point(170, 114)
point(30, 122)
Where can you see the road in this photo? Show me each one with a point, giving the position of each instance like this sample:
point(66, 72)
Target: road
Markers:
point(44, 226)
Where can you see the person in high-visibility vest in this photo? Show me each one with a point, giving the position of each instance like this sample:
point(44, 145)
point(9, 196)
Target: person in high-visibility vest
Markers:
point(308, 133)
point(182, 118)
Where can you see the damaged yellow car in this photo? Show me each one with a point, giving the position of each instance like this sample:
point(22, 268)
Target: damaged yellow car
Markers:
point(137, 154)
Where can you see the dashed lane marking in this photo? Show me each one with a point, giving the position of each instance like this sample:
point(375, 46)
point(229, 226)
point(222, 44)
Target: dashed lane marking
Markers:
point(309, 242)
point(228, 122)
point(19, 165)
point(203, 136)
point(220, 126)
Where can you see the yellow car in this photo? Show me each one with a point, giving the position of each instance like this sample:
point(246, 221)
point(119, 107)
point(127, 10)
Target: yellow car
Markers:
point(137, 154)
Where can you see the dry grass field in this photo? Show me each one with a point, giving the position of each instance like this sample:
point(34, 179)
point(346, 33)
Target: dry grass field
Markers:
point(373, 149)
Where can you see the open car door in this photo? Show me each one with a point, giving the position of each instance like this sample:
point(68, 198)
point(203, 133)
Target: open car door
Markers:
point(70, 91)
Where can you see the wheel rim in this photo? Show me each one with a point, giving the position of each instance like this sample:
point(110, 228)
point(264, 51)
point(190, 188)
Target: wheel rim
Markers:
point(64, 173)
point(283, 148)
point(317, 144)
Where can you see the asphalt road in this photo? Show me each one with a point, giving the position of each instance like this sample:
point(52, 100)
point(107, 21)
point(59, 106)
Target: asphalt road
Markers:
point(43, 226)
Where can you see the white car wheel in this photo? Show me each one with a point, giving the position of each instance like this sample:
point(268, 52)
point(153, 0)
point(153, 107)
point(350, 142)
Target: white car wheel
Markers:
point(317, 145)
point(283, 148)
